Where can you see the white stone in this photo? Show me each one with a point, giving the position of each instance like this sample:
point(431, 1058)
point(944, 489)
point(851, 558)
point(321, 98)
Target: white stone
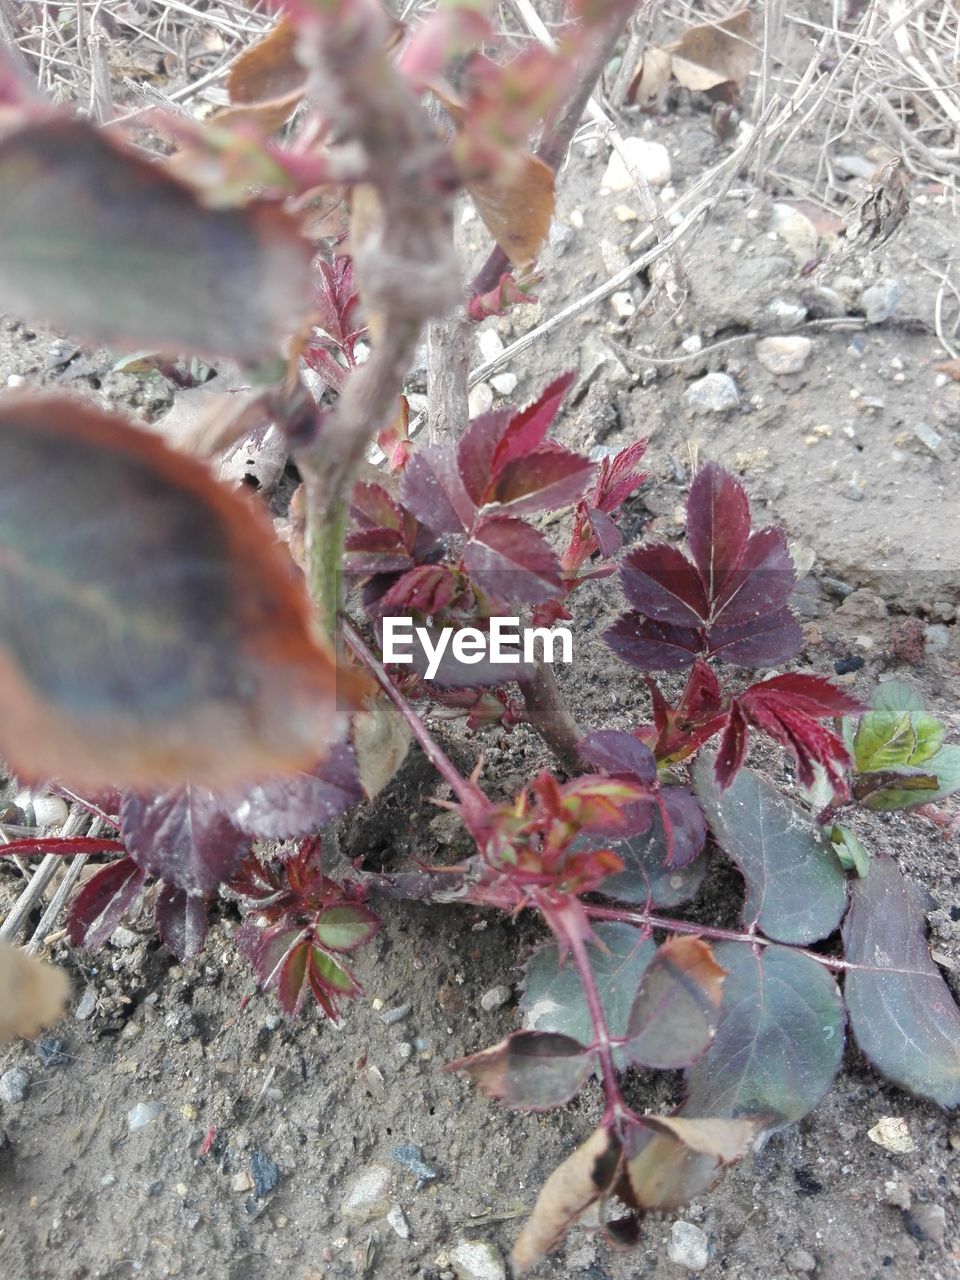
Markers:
point(784, 355)
point(50, 811)
point(796, 231)
point(16, 380)
point(490, 343)
point(891, 1133)
point(692, 345)
point(623, 304)
point(495, 998)
point(786, 314)
point(477, 1260)
point(650, 159)
point(398, 1221)
point(688, 1246)
point(716, 393)
point(144, 1113)
point(504, 384)
point(480, 400)
point(368, 1195)
point(880, 300)
point(576, 219)
point(14, 1085)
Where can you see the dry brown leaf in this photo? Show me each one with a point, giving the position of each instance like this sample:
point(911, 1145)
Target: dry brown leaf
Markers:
point(682, 1159)
point(516, 206)
point(381, 741)
point(715, 53)
point(324, 212)
point(32, 994)
point(582, 1180)
point(651, 78)
point(267, 116)
point(268, 69)
point(950, 367)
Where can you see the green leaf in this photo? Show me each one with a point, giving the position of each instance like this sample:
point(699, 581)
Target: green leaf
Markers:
point(796, 890)
point(152, 632)
point(343, 928)
point(99, 240)
point(674, 1016)
point(780, 1039)
point(851, 853)
point(883, 741)
point(944, 766)
point(553, 997)
point(901, 1011)
point(530, 1070)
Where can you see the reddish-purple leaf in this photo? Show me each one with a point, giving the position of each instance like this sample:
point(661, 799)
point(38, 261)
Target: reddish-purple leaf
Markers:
point(344, 928)
point(732, 750)
point(528, 429)
point(99, 239)
point(902, 1013)
point(63, 847)
point(684, 825)
point(476, 450)
point(298, 804)
point(675, 1013)
point(619, 477)
point(661, 583)
point(428, 590)
point(181, 920)
point(760, 583)
point(810, 695)
point(291, 976)
point(433, 491)
point(371, 551)
point(543, 480)
point(530, 1070)
point(511, 561)
point(653, 646)
point(718, 525)
point(608, 536)
point(103, 902)
point(152, 631)
point(616, 752)
point(185, 836)
point(371, 507)
point(763, 642)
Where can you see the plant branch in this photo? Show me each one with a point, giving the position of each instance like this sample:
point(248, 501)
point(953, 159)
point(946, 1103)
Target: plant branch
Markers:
point(547, 713)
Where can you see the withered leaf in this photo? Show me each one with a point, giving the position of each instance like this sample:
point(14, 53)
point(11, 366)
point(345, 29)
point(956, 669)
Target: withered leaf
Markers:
point(714, 53)
point(582, 1180)
point(530, 1070)
point(152, 631)
point(32, 994)
point(381, 741)
point(673, 1159)
point(266, 83)
point(515, 204)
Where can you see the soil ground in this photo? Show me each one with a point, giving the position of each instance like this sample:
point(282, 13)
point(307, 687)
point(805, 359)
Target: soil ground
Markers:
point(833, 453)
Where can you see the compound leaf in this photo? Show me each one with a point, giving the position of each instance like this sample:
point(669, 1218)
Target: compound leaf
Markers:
point(779, 1042)
point(796, 890)
point(185, 836)
point(512, 561)
point(901, 1011)
point(151, 629)
point(97, 239)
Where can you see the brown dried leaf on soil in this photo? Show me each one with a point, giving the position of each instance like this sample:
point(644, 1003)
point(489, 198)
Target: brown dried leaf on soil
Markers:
point(381, 741)
point(706, 56)
point(516, 205)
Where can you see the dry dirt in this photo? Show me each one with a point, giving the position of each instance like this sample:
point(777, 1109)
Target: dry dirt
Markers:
point(832, 452)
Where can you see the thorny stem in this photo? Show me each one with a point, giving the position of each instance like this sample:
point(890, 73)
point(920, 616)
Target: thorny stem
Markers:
point(474, 803)
point(556, 137)
point(547, 713)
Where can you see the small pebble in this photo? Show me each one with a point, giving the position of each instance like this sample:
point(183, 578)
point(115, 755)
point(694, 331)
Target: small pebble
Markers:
point(784, 355)
point(123, 938)
point(786, 314)
point(266, 1173)
point(716, 393)
point(16, 380)
point(796, 231)
point(931, 1220)
point(52, 1052)
point(692, 344)
point(495, 998)
point(650, 159)
point(408, 1154)
point(391, 1016)
point(490, 344)
point(14, 1085)
point(623, 304)
point(368, 1195)
point(880, 300)
point(50, 811)
point(800, 1260)
point(688, 1246)
point(87, 1004)
point(480, 400)
point(399, 1223)
point(891, 1133)
point(477, 1260)
point(843, 666)
point(144, 1113)
point(504, 384)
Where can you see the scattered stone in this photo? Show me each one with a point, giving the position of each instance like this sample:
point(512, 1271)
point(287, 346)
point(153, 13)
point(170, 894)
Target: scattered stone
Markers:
point(931, 1220)
point(800, 1260)
point(404, 1050)
point(14, 1085)
point(823, 302)
point(409, 1154)
point(692, 344)
point(623, 304)
point(124, 938)
point(479, 400)
point(908, 640)
point(368, 1195)
point(52, 1052)
point(938, 636)
point(623, 213)
point(398, 1221)
point(144, 1113)
point(786, 314)
point(688, 1246)
point(844, 666)
point(266, 1173)
point(391, 1016)
point(650, 159)
point(784, 355)
point(715, 393)
point(943, 611)
point(861, 605)
point(87, 1004)
point(490, 344)
point(932, 440)
point(880, 300)
point(495, 998)
point(16, 380)
point(50, 811)
point(898, 1194)
point(891, 1133)
point(477, 1260)
point(504, 384)
point(796, 231)
point(241, 1182)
